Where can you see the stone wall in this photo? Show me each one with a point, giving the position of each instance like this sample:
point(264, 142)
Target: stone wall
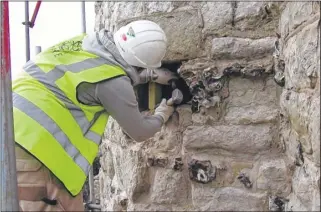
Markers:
point(249, 139)
point(300, 101)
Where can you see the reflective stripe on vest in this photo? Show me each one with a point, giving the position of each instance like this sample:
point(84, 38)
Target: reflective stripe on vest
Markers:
point(54, 75)
point(27, 107)
point(50, 123)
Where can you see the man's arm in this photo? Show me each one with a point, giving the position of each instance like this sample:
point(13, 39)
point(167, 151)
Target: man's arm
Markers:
point(118, 98)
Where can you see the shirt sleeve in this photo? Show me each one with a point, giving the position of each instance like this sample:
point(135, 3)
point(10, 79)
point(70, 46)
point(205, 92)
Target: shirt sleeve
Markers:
point(118, 98)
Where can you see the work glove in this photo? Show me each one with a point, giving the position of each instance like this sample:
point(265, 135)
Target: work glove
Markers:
point(164, 110)
point(159, 75)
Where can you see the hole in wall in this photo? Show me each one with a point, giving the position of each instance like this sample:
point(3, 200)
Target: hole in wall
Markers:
point(166, 90)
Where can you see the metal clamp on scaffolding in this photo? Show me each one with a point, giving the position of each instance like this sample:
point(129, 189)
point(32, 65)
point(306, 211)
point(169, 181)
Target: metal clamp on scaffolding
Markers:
point(30, 24)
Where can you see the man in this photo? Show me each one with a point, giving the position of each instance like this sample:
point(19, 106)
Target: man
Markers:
point(61, 103)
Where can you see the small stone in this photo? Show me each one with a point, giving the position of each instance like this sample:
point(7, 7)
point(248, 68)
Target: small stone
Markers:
point(245, 180)
point(178, 164)
point(277, 203)
point(157, 161)
point(201, 171)
point(299, 160)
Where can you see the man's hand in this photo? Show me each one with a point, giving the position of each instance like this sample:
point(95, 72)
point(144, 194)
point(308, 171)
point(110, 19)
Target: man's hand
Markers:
point(164, 110)
point(160, 75)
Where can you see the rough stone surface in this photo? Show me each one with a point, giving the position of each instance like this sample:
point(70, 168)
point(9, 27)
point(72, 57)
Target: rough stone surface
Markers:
point(229, 47)
point(223, 199)
point(301, 56)
point(234, 138)
point(273, 175)
point(249, 139)
point(168, 188)
point(297, 14)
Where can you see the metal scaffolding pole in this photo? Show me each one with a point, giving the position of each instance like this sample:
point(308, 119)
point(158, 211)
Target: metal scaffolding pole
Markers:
point(27, 24)
point(8, 184)
point(83, 17)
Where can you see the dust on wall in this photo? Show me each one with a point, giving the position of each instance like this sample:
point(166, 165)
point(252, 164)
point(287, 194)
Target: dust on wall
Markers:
point(249, 138)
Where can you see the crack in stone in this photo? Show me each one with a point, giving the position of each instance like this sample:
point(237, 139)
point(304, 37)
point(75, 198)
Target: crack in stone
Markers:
point(234, 6)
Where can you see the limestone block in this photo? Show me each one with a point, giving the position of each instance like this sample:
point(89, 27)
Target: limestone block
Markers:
point(184, 116)
point(106, 159)
point(251, 114)
point(301, 59)
point(260, 17)
point(295, 204)
point(273, 175)
point(303, 112)
point(235, 138)
point(305, 184)
point(296, 106)
point(294, 147)
point(250, 93)
point(217, 16)
point(237, 48)
point(131, 171)
point(245, 10)
point(112, 12)
point(296, 14)
point(183, 31)
point(316, 200)
point(169, 138)
point(314, 129)
point(169, 187)
point(227, 199)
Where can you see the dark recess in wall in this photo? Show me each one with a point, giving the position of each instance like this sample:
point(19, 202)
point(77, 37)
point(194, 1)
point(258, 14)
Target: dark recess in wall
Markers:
point(142, 90)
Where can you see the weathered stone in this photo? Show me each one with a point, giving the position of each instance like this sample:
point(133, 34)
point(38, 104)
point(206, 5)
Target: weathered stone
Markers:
point(274, 176)
point(169, 187)
point(304, 185)
point(184, 115)
point(222, 199)
point(257, 16)
point(294, 148)
point(295, 204)
point(157, 161)
point(184, 25)
point(112, 12)
point(237, 48)
point(245, 180)
point(314, 129)
point(216, 16)
point(244, 92)
point(251, 114)
point(296, 107)
point(178, 164)
point(235, 138)
point(301, 56)
point(296, 14)
point(169, 138)
point(277, 203)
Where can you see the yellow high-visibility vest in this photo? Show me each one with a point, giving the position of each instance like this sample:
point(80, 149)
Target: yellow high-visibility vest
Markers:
point(50, 122)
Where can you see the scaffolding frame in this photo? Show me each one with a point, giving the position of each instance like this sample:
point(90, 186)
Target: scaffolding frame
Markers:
point(9, 189)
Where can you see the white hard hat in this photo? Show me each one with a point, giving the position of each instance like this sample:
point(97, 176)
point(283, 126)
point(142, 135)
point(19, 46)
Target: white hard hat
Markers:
point(141, 43)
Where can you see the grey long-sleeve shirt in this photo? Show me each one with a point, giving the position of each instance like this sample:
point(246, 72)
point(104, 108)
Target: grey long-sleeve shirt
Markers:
point(118, 98)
